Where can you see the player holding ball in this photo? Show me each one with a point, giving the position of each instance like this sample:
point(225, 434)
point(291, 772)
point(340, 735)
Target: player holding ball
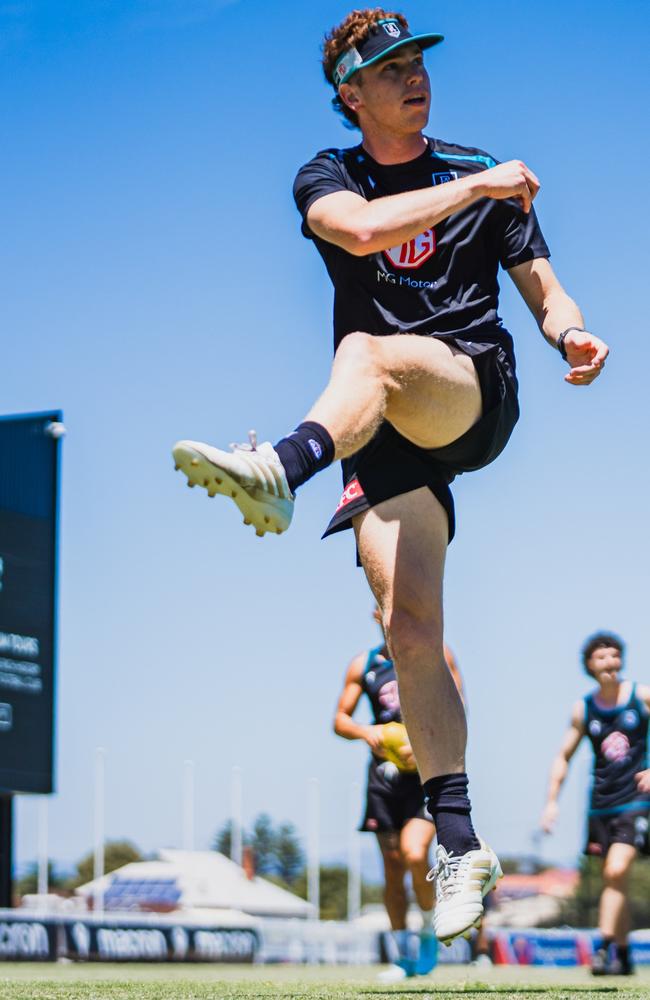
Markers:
point(395, 811)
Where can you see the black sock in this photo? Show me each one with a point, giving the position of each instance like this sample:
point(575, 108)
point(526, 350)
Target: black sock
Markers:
point(622, 952)
point(608, 941)
point(305, 452)
point(450, 808)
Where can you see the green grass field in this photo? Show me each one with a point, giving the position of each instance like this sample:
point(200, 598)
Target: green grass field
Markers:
point(165, 982)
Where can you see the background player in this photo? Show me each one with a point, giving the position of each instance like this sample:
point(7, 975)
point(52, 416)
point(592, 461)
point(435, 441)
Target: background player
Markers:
point(412, 231)
point(395, 809)
point(614, 718)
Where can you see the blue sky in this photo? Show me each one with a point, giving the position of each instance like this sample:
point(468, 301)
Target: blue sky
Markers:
point(155, 286)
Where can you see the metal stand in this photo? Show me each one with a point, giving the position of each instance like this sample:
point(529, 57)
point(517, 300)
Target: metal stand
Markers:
point(6, 850)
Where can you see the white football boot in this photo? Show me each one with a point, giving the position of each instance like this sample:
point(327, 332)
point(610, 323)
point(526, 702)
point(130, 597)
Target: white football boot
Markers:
point(460, 884)
point(251, 474)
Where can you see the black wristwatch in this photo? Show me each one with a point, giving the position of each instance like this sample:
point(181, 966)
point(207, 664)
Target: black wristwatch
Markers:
point(560, 340)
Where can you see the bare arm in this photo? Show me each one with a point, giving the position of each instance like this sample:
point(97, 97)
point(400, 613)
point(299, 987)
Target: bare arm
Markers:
point(344, 724)
point(363, 227)
point(560, 766)
point(643, 777)
point(554, 312)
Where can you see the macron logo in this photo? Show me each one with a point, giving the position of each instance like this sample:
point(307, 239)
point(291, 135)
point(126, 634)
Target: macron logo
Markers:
point(316, 448)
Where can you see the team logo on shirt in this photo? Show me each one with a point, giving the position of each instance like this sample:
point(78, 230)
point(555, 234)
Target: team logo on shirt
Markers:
point(615, 747)
point(389, 696)
point(443, 177)
point(595, 727)
point(414, 252)
point(630, 719)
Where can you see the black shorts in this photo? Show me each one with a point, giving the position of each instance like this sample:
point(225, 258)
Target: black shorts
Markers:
point(621, 828)
point(392, 798)
point(390, 465)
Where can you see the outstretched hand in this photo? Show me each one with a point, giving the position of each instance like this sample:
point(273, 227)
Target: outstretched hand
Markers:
point(586, 354)
point(549, 817)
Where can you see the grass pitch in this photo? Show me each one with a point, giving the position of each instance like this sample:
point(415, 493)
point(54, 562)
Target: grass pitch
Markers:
point(172, 982)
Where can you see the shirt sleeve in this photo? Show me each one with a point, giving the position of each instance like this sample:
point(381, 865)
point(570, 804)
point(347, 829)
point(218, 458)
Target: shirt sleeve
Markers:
point(521, 238)
point(322, 175)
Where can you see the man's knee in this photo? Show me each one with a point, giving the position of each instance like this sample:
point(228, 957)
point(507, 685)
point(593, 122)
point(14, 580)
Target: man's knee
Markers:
point(415, 855)
point(361, 351)
point(615, 871)
point(412, 635)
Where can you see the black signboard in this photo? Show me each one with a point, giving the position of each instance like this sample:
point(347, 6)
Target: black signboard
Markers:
point(28, 940)
point(29, 459)
point(89, 941)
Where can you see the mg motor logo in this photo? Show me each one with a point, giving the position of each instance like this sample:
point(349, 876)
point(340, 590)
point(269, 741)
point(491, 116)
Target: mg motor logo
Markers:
point(414, 252)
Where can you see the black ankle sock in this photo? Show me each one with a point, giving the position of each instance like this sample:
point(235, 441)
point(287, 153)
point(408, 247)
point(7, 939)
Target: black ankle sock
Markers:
point(305, 452)
point(450, 808)
point(622, 952)
point(607, 942)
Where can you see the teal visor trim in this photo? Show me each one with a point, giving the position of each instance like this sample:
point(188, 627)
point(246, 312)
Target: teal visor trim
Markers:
point(358, 63)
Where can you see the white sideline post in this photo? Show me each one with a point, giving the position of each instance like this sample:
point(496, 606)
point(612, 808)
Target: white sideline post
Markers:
point(43, 879)
point(354, 856)
point(98, 868)
point(313, 849)
point(236, 806)
point(188, 805)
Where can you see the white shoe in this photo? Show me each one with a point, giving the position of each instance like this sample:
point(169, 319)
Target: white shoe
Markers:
point(253, 476)
point(393, 974)
point(482, 960)
point(460, 885)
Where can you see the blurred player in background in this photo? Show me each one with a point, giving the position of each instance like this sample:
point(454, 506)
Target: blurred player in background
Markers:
point(395, 809)
point(614, 718)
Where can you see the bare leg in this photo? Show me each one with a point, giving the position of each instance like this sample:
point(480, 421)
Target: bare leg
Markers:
point(395, 899)
point(402, 543)
point(614, 918)
point(415, 841)
point(426, 389)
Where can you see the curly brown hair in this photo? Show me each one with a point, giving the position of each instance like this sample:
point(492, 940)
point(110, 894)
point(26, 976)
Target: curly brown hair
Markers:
point(352, 30)
point(601, 640)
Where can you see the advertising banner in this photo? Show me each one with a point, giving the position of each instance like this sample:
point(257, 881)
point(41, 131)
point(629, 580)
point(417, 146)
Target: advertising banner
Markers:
point(89, 941)
point(28, 940)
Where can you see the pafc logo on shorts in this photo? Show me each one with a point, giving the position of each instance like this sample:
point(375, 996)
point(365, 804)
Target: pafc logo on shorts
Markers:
point(415, 251)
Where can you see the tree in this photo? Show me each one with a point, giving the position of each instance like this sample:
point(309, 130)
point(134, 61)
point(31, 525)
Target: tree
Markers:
point(333, 891)
point(116, 854)
point(277, 850)
point(263, 842)
point(581, 909)
point(289, 855)
point(29, 881)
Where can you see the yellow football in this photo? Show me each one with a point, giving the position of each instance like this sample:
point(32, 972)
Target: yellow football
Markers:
point(393, 738)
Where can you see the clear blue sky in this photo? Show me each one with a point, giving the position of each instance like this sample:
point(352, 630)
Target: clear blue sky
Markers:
point(155, 286)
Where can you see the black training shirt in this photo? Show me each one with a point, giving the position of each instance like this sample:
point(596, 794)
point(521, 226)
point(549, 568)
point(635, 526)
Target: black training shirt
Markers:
point(619, 738)
point(441, 282)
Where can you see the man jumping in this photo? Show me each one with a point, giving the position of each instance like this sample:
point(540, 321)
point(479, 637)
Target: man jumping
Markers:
point(412, 231)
